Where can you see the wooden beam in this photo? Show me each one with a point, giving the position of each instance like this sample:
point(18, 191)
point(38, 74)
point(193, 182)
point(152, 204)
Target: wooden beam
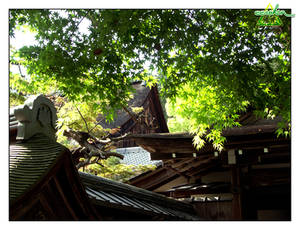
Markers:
point(250, 130)
point(208, 170)
point(178, 172)
point(236, 191)
point(162, 145)
point(197, 164)
point(260, 177)
point(166, 156)
point(52, 195)
point(78, 190)
point(256, 140)
point(206, 167)
point(182, 163)
point(46, 206)
point(272, 166)
point(155, 179)
point(276, 158)
point(200, 191)
point(61, 192)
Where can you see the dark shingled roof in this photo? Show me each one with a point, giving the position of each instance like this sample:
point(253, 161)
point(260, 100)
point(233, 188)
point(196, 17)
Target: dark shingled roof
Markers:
point(33, 147)
point(122, 116)
point(29, 161)
point(105, 192)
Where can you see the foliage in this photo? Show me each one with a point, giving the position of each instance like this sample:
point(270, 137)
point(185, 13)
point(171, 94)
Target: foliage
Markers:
point(137, 110)
point(221, 57)
point(205, 110)
point(15, 99)
point(176, 123)
point(82, 116)
point(77, 116)
point(198, 107)
point(114, 170)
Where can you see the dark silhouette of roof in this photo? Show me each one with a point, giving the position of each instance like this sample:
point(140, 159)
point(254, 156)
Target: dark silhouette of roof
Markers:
point(121, 116)
point(29, 161)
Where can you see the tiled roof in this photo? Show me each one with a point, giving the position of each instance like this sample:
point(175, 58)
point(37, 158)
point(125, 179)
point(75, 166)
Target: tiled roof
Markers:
point(34, 149)
point(29, 161)
point(105, 192)
point(137, 156)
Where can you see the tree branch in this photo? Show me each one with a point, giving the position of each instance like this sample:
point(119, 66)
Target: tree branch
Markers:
point(96, 124)
point(131, 115)
point(112, 154)
point(92, 149)
point(103, 155)
point(20, 70)
point(87, 128)
point(83, 163)
point(109, 140)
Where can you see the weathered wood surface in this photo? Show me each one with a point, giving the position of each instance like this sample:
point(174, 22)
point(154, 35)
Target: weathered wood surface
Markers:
point(214, 210)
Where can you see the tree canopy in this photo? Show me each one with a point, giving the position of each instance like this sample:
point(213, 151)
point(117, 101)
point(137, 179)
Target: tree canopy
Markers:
point(211, 64)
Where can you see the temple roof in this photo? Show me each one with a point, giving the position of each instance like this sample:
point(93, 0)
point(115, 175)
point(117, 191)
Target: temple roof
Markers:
point(29, 161)
point(42, 178)
point(105, 192)
point(121, 116)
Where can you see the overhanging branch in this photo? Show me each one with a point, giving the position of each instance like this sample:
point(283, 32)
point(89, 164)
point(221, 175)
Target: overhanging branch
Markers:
point(87, 128)
point(95, 148)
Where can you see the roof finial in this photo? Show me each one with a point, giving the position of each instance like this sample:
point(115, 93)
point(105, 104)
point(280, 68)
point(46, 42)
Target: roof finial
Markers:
point(37, 115)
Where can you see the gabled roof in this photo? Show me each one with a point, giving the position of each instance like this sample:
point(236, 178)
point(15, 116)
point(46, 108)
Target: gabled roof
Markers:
point(29, 161)
point(143, 97)
point(122, 116)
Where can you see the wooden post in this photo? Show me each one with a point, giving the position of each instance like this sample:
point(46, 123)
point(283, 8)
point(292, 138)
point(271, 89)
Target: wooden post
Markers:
point(236, 191)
